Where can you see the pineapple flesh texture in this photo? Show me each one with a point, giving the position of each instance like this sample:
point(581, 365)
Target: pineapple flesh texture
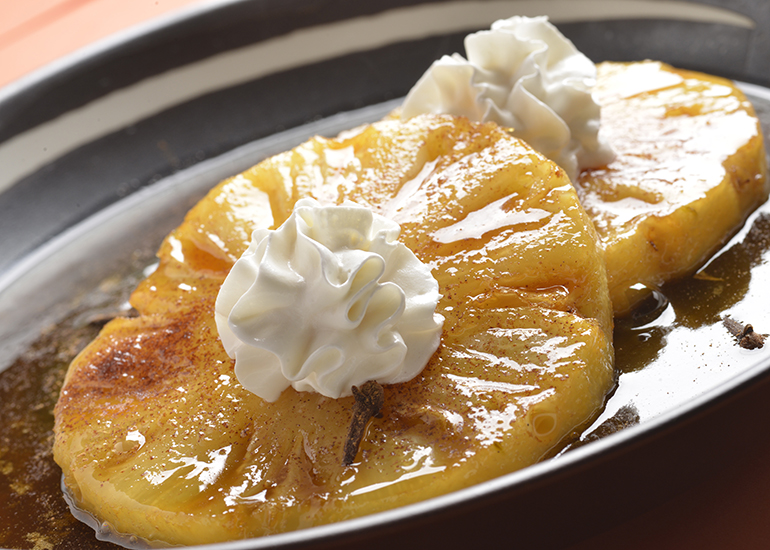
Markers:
point(690, 166)
point(155, 435)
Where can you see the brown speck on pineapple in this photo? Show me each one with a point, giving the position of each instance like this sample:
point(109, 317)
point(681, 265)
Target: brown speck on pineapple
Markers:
point(369, 400)
point(747, 338)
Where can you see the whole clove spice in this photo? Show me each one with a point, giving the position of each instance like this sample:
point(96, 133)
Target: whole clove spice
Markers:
point(369, 400)
point(747, 337)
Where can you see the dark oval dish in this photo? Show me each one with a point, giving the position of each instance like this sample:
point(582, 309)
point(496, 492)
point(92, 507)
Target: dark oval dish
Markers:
point(183, 99)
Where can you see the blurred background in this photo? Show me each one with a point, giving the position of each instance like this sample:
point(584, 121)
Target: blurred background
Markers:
point(36, 32)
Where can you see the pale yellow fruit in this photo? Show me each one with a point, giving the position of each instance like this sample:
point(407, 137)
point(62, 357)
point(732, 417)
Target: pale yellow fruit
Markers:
point(156, 436)
point(690, 167)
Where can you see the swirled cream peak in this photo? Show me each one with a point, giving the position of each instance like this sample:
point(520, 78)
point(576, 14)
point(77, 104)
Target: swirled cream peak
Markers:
point(328, 301)
point(522, 74)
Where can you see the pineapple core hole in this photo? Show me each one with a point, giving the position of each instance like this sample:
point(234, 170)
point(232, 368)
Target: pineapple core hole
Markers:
point(544, 424)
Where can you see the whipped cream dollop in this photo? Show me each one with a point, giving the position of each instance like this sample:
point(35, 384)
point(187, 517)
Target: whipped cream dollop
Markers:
point(328, 301)
point(522, 74)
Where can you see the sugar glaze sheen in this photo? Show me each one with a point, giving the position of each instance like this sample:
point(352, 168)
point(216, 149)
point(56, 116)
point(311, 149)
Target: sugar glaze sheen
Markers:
point(526, 353)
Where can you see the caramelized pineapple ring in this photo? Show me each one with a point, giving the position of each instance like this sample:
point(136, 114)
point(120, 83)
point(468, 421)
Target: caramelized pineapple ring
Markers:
point(157, 437)
point(690, 167)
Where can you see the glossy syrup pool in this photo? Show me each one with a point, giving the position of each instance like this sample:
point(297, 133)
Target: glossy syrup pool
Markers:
point(33, 513)
point(671, 350)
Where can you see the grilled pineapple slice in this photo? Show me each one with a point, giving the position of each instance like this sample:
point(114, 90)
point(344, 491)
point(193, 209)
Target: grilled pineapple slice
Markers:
point(690, 167)
point(156, 436)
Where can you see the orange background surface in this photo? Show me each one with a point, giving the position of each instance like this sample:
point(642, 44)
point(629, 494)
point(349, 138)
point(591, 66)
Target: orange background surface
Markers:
point(36, 32)
point(731, 511)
